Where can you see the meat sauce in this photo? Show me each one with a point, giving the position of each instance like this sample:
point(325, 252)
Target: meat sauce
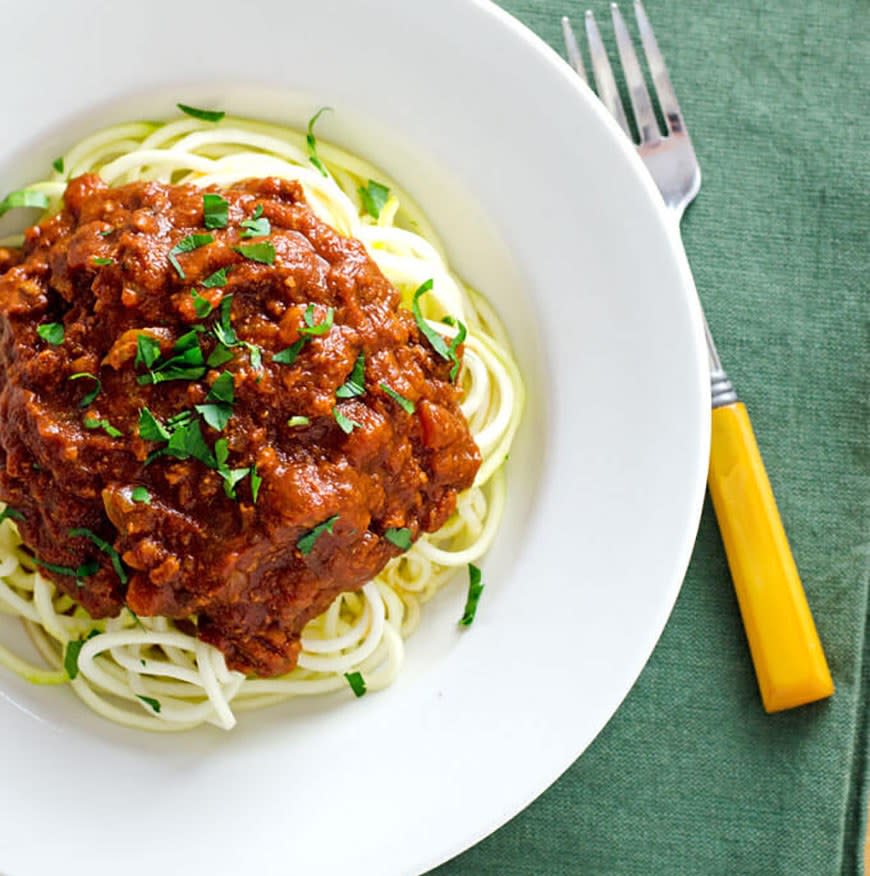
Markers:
point(242, 541)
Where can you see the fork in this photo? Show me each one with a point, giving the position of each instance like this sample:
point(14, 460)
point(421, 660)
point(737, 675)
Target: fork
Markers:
point(789, 662)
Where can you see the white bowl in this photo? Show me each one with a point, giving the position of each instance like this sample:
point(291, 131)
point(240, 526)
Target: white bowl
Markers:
point(545, 207)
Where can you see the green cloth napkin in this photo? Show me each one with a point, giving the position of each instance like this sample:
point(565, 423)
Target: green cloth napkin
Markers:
point(691, 776)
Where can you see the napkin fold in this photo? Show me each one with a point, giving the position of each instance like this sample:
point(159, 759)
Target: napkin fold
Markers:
point(691, 776)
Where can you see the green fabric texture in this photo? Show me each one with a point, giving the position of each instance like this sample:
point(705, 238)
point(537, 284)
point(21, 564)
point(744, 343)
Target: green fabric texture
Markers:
point(691, 776)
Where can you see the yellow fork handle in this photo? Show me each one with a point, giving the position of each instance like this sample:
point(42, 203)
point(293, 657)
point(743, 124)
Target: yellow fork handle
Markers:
point(789, 661)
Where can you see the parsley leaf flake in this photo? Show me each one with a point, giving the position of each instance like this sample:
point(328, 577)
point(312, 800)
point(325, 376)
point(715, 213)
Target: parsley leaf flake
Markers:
point(51, 332)
point(201, 114)
point(141, 495)
point(215, 211)
point(185, 360)
point(262, 252)
point(306, 542)
point(475, 588)
point(439, 345)
point(344, 423)
point(357, 683)
point(95, 423)
point(216, 280)
point(91, 395)
point(311, 141)
point(374, 196)
point(401, 538)
point(187, 244)
point(355, 385)
point(105, 547)
point(406, 404)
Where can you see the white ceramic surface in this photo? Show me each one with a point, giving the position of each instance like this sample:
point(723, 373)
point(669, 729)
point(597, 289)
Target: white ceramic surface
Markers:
point(543, 206)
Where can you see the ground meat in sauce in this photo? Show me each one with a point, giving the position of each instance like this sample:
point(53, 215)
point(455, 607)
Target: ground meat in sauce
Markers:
point(232, 565)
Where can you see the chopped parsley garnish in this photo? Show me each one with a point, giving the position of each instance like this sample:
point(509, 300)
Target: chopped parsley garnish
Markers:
point(150, 701)
point(57, 164)
point(93, 393)
point(406, 404)
point(187, 244)
point(311, 140)
point(23, 198)
point(288, 355)
point(150, 428)
point(202, 307)
point(226, 335)
point(201, 114)
point(186, 441)
point(355, 384)
point(461, 334)
point(374, 196)
point(101, 262)
point(223, 328)
point(51, 332)
point(105, 547)
point(215, 211)
point(357, 683)
point(256, 482)
point(71, 657)
point(438, 343)
point(475, 588)
point(218, 407)
point(135, 617)
point(141, 495)
point(306, 543)
point(220, 355)
point(147, 351)
point(263, 252)
point(312, 328)
point(258, 225)
point(344, 423)
point(216, 280)
point(9, 513)
point(85, 570)
point(182, 434)
point(293, 422)
point(105, 233)
point(181, 418)
point(232, 477)
point(94, 423)
point(184, 362)
point(71, 654)
point(401, 538)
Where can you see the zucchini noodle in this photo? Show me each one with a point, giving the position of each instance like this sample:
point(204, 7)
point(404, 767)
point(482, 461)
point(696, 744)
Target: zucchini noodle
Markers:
point(145, 672)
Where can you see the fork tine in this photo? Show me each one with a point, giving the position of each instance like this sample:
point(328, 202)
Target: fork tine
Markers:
point(604, 81)
point(644, 115)
point(664, 89)
point(575, 58)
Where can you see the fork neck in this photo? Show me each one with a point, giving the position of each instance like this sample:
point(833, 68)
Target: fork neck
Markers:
point(722, 390)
